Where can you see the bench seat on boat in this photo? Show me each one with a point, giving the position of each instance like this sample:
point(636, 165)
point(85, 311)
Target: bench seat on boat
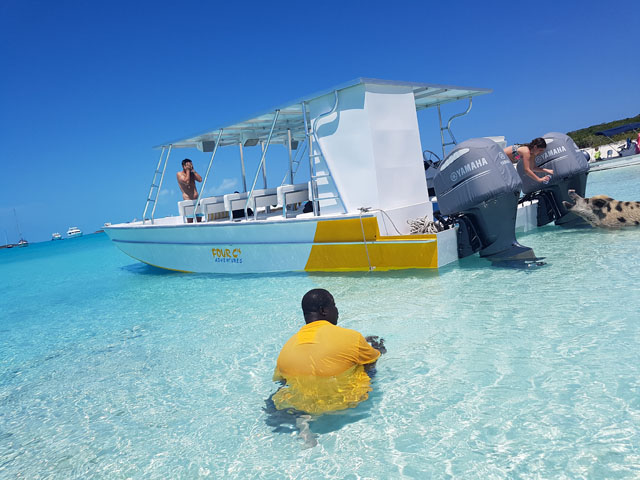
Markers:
point(237, 201)
point(264, 198)
point(186, 207)
point(292, 194)
point(208, 207)
point(212, 206)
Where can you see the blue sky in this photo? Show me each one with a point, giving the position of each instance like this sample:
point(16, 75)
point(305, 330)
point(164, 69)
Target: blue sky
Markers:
point(88, 88)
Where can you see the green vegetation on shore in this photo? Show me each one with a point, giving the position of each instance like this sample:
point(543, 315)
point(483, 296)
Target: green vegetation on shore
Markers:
point(586, 137)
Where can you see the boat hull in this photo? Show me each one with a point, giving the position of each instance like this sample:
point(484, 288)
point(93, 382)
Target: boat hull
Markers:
point(315, 244)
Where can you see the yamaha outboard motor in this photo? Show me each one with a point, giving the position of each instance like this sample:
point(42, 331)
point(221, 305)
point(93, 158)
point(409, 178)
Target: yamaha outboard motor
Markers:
point(477, 185)
point(570, 167)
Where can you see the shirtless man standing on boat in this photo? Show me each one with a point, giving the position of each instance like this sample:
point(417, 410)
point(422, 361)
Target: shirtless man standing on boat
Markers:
point(187, 179)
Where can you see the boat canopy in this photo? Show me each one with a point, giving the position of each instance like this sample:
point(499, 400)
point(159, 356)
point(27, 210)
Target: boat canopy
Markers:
point(629, 127)
point(290, 121)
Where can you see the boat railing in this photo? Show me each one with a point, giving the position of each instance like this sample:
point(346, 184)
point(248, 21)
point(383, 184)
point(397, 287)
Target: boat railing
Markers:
point(312, 135)
point(206, 175)
point(261, 165)
point(295, 165)
point(205, 206)
point(448, 127)
point(152, 197)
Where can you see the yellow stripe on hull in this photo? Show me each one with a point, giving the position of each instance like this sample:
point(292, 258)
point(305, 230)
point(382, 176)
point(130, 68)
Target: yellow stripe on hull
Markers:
point(339, 246)
point(348, 230)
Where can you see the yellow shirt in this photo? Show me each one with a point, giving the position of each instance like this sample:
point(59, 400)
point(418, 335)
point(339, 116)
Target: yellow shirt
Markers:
point(323, 367)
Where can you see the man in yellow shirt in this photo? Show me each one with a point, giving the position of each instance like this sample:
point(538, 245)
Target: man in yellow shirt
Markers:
point(323, 365)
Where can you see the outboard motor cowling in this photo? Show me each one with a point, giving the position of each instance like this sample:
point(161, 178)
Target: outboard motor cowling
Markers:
point(570, 167)
point(477, 184)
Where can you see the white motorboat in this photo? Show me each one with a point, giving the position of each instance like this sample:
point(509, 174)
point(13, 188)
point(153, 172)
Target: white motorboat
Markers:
point(74, 232)
point(56, 236)
point(364, 185)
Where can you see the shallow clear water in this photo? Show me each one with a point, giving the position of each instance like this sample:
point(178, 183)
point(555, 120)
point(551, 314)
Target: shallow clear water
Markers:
point(109, 368)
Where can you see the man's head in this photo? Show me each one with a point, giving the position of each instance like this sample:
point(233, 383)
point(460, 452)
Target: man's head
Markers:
point(318, 304)
point(186, 163)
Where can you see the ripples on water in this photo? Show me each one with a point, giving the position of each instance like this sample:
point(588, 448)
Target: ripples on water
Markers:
point(109, 368)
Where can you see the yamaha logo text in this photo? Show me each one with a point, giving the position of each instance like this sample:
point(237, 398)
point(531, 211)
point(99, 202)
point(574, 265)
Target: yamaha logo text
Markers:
point(468, 167)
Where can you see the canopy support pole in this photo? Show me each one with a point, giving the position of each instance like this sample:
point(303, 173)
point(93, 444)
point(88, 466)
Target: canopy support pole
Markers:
point(261, 166)
point(290, 157)
point(244, 177)
point(264, 166)
point(206, 175)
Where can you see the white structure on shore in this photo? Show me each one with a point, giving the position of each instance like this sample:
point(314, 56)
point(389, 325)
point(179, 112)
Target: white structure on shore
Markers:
point(611, 151)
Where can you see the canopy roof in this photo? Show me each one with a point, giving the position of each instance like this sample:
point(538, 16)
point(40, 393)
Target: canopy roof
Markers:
point(621, 129)
point(256, 129)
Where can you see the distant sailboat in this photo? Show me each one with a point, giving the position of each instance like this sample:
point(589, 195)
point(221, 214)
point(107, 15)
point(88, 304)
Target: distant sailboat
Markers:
point(22, 242)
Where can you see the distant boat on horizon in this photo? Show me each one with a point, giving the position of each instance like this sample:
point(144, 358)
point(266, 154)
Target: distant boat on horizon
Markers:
point(74, 232)
point(22, 242)
point(56, 236)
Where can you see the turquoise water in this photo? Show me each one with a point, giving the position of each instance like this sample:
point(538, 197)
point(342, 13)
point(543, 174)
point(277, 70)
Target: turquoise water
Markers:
point(112, 369)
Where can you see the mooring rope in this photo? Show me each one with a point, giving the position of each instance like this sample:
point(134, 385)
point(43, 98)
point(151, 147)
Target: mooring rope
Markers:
point(424, 225)
point(417, 226)
point(364, 238)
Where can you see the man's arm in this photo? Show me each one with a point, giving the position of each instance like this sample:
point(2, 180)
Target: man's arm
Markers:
point(366, 353)
point(183, 177)
point(191, 171)
point(377, 343)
